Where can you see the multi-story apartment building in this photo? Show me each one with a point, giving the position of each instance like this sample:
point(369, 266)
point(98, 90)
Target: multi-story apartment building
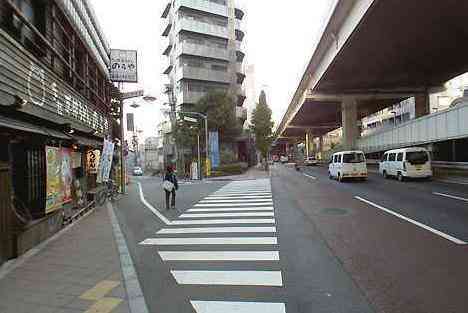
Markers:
point(202, 48)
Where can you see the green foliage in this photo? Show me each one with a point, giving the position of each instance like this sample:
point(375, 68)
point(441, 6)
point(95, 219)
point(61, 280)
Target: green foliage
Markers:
point(262, 125)
point(220, 108)
point(186, 134)
point(228, 169)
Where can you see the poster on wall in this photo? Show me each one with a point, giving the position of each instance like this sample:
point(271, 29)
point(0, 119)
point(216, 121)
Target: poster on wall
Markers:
point(66, 173)
point(106, 162)
point(54, 192)
point(76, 159)
point(214, 149)
point(92, 161)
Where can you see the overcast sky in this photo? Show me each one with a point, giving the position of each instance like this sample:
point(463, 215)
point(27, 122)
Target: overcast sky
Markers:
point(280, 37)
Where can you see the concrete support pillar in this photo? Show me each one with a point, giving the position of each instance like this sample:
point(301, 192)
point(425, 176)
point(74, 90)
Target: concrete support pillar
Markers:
point(422, 106)
point(308, 139)
point(349, 122)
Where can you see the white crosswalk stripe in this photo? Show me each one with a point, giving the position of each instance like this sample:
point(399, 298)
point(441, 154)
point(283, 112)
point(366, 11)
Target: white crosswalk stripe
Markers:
point(237, 214)
point(239, 208)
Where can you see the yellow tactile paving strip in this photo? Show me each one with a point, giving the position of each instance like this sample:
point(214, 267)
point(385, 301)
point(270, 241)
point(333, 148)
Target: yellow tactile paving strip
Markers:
point(98, 294)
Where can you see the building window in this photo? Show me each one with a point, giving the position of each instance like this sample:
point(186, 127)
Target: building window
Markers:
point(220, 68)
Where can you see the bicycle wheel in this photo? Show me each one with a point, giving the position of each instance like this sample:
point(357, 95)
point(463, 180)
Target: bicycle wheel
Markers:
point(101, 197)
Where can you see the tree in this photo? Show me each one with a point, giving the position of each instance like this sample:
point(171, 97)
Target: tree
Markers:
point(262, 126)
point(220, 108)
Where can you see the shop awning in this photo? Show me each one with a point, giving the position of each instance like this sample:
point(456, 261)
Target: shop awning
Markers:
point(87, 141)
point(31, 128)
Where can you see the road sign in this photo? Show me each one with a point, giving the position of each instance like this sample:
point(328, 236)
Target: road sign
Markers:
point(190, 119)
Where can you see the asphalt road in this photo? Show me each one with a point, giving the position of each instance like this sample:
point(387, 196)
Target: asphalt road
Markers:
point(314, 248)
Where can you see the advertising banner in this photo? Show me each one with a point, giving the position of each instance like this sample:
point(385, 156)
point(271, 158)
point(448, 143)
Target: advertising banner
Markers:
point(76, 159)
point(106, 162)
point(214, 149)
point(54, 193)
point(123, 66)
point(92, 160)
point(66, 174)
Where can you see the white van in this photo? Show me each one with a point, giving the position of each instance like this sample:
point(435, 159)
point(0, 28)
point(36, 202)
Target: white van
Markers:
point(406, 163)
point(348, 164)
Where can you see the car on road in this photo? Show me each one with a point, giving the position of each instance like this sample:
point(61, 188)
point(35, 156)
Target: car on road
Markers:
point(347, 164)
point(310, 161)
point(137, 171)
point(414, 162)
point(284, 159)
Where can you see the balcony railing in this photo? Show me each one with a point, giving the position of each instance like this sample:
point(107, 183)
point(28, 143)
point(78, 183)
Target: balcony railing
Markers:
point(203, 50)
point(199, 73)
point(204, 5)
point(440, 126)
point(203, 28)
point(241, 113)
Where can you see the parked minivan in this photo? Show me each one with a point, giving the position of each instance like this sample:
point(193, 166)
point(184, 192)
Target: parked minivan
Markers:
point(347, 164)
point(406, 163)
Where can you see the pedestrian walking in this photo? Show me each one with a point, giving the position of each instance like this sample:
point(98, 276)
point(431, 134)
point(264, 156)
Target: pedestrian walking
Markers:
point(170, 185)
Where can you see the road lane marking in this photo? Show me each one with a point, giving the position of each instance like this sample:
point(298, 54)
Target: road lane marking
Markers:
point(435, 231)
point(237, 307)
point(450, 196)
point(219, 255)
point(210, 241)
point(151, 208)
point(217, 230)
point(238, 214)
point(232, 278)
point(233, 200)
point(225, 221)
point(310, 176)
point(263, 208)
point(232, 204)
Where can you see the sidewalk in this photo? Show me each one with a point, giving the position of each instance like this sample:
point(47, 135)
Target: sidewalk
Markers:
point(79, 270)
point(252, 173)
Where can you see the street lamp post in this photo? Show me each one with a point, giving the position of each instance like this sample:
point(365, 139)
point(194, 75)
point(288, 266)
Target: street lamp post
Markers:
point(205, 117)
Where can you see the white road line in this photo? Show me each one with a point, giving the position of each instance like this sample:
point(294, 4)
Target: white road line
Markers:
point(217, 230)
point(219, 255)
point(232, 204)
point(232, 278)
point(264, 208)
point(233, 200)
point(151, 208)
point(450, 196)
point(210, 241)
point(236, 197)
point(435, 231)
point(238, 214)
point(237, 307)
point(238, 194)
point(225, 221)
point(310, 176)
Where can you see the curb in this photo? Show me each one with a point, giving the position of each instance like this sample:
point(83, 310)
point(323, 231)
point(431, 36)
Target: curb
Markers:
point(136, 300)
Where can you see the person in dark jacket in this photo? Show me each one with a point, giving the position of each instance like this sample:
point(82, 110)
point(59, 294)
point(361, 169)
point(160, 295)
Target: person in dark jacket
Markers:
point(170, 176)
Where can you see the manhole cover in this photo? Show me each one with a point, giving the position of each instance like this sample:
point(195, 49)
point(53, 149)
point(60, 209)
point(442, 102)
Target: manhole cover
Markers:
point(335, 211)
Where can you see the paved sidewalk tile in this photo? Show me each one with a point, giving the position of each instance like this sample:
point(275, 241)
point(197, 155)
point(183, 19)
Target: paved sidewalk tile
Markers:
point(77, 272)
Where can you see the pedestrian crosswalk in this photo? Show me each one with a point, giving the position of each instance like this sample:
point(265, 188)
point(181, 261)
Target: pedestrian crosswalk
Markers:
point(234, 225)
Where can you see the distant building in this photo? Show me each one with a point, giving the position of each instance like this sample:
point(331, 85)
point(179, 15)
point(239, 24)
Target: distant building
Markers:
point(251, 92)
point(154, 156)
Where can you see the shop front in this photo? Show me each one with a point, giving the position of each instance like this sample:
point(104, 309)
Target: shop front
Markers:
point(48, 129)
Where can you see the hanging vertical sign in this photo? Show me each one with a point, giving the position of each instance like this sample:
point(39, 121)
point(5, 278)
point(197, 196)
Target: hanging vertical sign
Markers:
point(92, 161)
point(130, 122)
point(214, 149)
point(106, 162)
